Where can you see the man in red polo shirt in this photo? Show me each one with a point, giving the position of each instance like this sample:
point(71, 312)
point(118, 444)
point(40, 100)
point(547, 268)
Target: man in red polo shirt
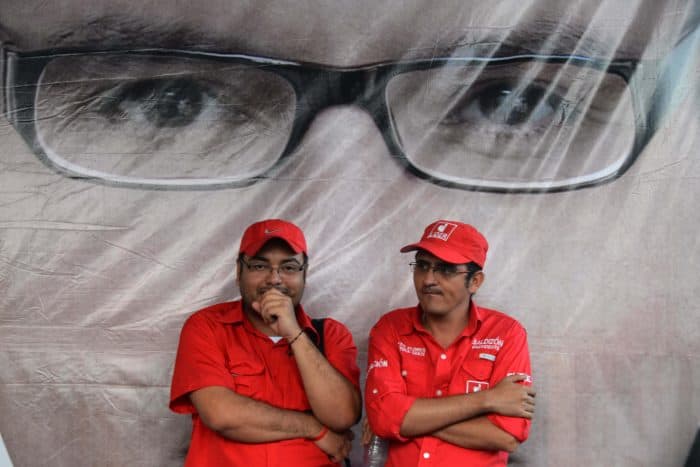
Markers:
point(250, 371)
point(448, 382)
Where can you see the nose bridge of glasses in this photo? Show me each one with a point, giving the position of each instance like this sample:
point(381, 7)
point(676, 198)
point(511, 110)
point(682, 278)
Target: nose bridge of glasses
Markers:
point(337, 87)
point(321, 89)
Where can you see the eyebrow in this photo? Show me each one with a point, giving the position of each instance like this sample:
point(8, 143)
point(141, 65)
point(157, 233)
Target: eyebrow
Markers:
point(532, 37)
point(538, 37)
point(121, 32)
point(286, 260)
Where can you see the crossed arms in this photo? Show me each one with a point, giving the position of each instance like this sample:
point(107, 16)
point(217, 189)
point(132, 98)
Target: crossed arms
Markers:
point(334, 400)
point(491, 419)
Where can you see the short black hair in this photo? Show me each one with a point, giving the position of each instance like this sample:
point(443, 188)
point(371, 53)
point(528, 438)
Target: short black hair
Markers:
point(473, 268)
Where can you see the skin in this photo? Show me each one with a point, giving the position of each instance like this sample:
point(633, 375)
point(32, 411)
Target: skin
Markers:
point(444, 301)
point(269, 301)
point(459, 419)
point(640, 229)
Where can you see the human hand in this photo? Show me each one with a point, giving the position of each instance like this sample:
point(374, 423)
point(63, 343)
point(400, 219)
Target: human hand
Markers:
point(336, 445)
point(511, 398)
point(366, 432)
point(277, 311)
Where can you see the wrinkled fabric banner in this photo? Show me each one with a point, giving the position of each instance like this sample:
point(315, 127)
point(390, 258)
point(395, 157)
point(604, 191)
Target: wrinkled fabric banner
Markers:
point(139, 140)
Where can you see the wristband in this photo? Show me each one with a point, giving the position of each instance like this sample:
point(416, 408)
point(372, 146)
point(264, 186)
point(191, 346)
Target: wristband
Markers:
point(324, 430)
point(297, 337)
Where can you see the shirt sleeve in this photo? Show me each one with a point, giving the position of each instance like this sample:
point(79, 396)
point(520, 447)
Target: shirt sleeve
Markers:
point(341, 351)
point(386, 398)
point(199, 363)
point(513, 358)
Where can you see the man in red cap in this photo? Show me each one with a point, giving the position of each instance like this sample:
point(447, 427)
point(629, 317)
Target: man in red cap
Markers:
point(252, 374)
point(448, 382)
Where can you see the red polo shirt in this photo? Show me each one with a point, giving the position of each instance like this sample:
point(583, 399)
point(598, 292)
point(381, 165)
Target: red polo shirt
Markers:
point(406, 363)
point(219, 347)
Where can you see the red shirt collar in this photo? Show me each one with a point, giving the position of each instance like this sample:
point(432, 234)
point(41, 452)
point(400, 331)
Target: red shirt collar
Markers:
point(232, 313)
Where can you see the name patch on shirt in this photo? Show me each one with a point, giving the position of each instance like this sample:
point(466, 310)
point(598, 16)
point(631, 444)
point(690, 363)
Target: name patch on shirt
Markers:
point(417, 351)
point(487, 356)
point(491, 343)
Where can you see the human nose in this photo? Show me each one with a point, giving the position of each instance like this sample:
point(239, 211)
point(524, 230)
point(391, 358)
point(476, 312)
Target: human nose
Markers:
point(274, 276)
point(342, 143)
point(430, 276)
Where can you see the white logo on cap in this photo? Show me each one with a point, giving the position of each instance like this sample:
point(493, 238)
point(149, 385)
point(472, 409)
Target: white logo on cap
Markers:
point(270, 232)
point(442, 231)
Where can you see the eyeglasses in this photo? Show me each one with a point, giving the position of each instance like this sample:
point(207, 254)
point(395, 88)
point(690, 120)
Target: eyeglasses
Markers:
point(174, 119)
point(440, 270)
point(286, 269)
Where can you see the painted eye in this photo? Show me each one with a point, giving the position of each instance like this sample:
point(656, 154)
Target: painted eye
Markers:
point(506, 104)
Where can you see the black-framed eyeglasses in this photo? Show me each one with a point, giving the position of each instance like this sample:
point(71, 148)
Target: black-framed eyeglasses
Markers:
point(288, 269)
point(176, 119)
point(440, 269)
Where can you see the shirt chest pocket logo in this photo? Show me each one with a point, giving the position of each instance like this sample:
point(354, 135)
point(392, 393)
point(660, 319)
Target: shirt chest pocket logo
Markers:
point(249, 378)
point(476, 374)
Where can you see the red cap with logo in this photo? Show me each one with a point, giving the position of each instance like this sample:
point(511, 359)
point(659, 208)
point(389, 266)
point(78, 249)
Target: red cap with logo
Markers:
point(258, 234)
point(453, 242)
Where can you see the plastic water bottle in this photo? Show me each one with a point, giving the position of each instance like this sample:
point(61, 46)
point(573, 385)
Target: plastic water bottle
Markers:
point(376, 452)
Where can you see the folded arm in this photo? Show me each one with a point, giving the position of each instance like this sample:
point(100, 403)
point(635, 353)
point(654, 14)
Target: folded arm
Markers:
point(241, 418)
point(334, 400)
point(508, 397)
point(478, 433)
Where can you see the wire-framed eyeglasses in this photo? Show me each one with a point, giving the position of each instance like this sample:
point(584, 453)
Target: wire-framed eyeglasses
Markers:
point(288, 269)
point(440, 269)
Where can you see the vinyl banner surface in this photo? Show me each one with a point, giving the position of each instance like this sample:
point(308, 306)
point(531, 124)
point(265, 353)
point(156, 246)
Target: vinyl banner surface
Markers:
point(139, 139)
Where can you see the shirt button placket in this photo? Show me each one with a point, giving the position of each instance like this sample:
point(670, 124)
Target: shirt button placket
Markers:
point(442, 374)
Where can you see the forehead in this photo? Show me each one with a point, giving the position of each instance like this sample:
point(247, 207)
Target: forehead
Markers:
point(277, 250)
point(426, 256)
point(348, 33)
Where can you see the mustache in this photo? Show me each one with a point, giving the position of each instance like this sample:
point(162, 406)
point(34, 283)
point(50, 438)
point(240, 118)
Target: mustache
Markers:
point(279, 288)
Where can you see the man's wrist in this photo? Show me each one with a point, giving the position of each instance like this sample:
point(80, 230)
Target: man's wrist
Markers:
point(483, 400)
point(296, 336)
point(321, 434)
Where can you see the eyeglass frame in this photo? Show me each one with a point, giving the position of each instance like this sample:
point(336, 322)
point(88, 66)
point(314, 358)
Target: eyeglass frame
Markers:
point(363, 86)
point(436, 269)
point(268, 268)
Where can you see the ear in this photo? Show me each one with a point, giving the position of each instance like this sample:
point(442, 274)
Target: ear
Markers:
point(475, 282)
point(238, 273)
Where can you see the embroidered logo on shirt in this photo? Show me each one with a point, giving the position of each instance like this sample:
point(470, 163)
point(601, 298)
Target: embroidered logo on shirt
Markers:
point(493, 343)
point(377, 364)
point(442, 231)
point(476, 386)
point(417, 351)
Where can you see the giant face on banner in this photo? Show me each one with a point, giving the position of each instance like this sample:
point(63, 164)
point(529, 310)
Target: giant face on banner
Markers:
point(140, 139)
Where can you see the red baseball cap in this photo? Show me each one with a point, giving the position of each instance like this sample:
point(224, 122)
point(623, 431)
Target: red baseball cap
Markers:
point(258, 234)
point(453, 242)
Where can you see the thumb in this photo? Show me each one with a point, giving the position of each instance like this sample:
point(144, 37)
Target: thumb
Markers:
point(256, 306)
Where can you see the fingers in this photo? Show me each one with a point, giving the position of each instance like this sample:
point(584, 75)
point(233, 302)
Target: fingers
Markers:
point(517, 377)
point(342, 452)
point(366, 432)
point(528, 406)
point(275, 305)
